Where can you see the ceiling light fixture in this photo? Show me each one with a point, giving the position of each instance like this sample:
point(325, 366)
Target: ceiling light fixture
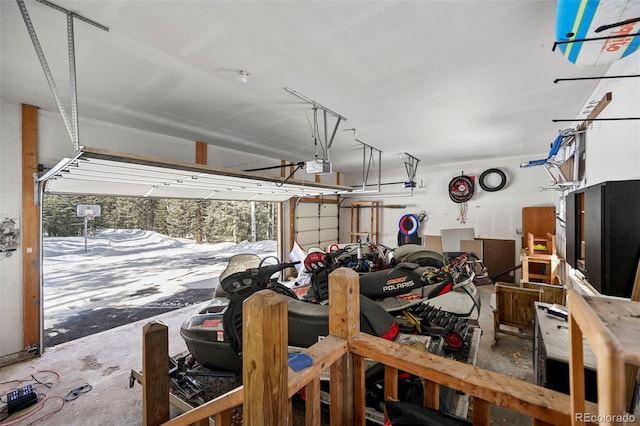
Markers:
point(244, 76)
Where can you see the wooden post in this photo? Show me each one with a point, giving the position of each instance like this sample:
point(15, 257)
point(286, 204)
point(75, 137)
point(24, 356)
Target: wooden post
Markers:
point(359, 394)
point(344, 323)
point(481, 412)
point(264, 359)
point(201, 153)
point(631, 371)
point(431, 394)
point(155, 373)
point(312, 405)
point(390, 386)
point(610, 376)
point(576, 369)
point(31, 303)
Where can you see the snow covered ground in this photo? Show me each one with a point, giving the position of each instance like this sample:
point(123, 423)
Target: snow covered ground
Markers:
point(130, 269)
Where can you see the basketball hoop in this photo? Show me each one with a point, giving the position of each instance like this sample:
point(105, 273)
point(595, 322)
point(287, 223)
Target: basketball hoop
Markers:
point(87, 212)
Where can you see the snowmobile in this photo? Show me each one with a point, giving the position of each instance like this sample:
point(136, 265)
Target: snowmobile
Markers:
point(214, 335)
point(391, 299)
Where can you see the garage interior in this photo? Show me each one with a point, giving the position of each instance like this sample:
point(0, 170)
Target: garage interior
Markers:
point(453, 126)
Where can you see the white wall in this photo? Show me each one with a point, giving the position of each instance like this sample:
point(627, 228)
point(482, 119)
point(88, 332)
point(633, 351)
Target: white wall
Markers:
point(613, 147)
point(10, 202)
point(491, 214)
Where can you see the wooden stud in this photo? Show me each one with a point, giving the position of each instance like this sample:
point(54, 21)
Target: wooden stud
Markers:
point(359, 395)
point(201, 153)
point(222, 418)
point(611, 391)
point(31, 303)
point(576, 369)
point(312, 413)
point(606, 99)
point(431, 394)
point(155, 373)
point(390, 386)
point(264, 359)
point(481, 412)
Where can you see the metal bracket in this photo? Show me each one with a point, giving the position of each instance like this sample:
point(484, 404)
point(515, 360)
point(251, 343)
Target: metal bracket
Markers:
point(366, 165)
point(328, 140)
point(411, 166)
point(71, 125)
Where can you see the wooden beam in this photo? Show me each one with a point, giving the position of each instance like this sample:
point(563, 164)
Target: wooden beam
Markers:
point(481, 412)
point(390, 387)
point(30, 231)
point(155, 377)
point(264, 359)
point(312, 406)
point(576, 369)
point(201, 153)
point(431, 394)
point(606, 99)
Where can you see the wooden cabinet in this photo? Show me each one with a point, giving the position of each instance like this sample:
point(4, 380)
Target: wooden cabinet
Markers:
point(603, 234)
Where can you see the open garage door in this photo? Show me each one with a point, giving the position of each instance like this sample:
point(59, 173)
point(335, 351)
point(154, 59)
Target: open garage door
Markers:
point(100, 172)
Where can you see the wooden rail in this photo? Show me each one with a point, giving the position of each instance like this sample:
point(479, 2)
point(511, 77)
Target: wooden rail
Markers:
point(266, 396)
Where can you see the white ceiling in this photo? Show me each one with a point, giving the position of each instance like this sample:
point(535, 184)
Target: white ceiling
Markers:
point(444, 81)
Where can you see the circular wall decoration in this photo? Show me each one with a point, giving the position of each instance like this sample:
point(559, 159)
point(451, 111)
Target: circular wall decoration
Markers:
point(408, 224)
point(488, 172)
point(461, 189)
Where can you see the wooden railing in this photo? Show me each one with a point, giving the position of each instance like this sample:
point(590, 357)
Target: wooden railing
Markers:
point(269, 384)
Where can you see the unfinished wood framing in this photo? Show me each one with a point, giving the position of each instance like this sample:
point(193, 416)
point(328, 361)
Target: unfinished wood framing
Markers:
point(201, 153)
point(374, 221)
point(30, 227)
point(487, 388)
point(611, 327)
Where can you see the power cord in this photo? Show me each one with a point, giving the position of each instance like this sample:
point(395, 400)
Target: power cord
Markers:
point(40, 378)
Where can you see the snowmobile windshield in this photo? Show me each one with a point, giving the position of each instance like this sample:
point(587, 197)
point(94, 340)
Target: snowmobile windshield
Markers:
point(239, 263)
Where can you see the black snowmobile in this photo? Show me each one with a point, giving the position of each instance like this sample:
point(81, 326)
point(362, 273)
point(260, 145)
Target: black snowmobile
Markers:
point(414, 296)
point(214, 335)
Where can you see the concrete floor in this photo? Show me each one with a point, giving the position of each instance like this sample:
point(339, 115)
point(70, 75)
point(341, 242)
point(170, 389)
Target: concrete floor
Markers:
point(104, 361)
